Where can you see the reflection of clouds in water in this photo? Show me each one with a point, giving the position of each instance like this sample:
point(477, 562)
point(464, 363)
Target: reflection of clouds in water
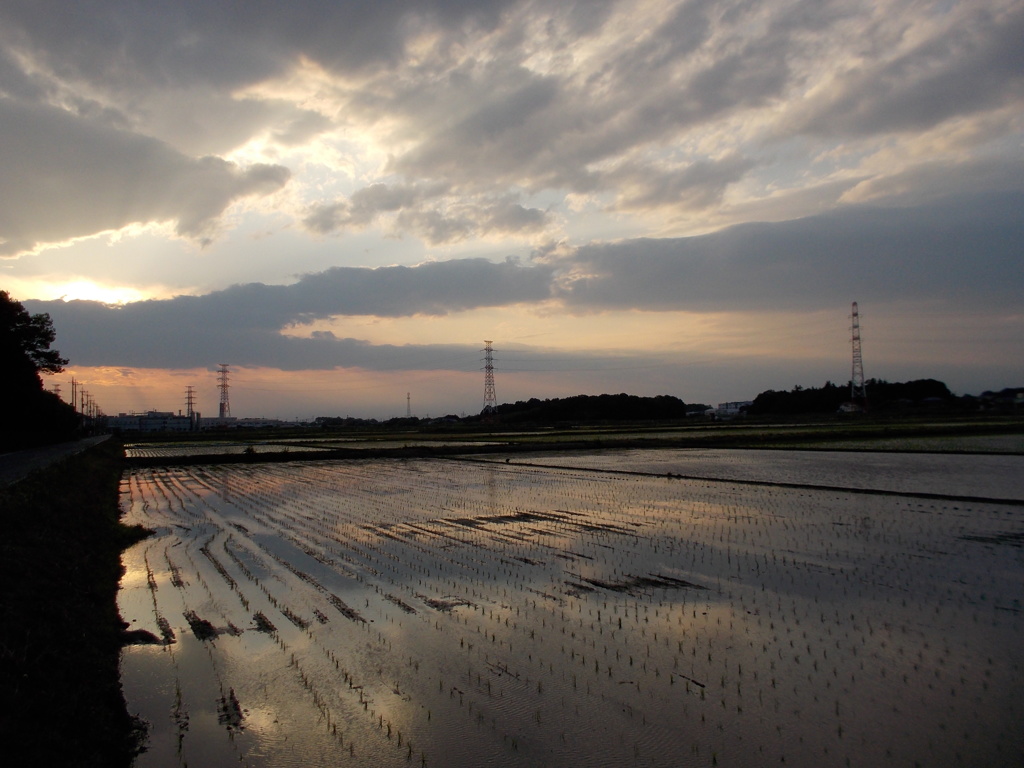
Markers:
point(551, 620)
point(978, 475)
point(264, 721)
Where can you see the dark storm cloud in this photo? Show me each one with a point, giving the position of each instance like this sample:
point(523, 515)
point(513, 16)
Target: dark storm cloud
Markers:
point(366, 204)
point(695, 186)
point(86, 89)
point(487, 100)
point(977, 64)
point(962, 252)
point(245, 320)
point(509, 216)
point(62, 177)
point(426, 211)
point(517, 127)
point(224, 44)
point(14, 82)
point(500, 123)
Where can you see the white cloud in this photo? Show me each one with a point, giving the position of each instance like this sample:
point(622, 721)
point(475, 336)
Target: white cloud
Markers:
point(63, 177)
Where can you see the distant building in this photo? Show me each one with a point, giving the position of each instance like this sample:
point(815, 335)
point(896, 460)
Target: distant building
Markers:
point(233, 422)
point(218, 422)
point(731, 410)
point(152, 421)
point(260, 423)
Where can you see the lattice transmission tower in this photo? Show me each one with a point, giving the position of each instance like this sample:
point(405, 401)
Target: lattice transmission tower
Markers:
point(222, 384)
point(490, 399)
point(858, 392)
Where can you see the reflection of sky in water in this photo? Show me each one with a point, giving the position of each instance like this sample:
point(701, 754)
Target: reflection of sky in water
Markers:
point(161, 450)
point(829, 625)
point(165, 450)
point(999, 477)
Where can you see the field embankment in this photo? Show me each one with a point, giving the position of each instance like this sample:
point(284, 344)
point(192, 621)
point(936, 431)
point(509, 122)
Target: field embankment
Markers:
point(940, 436)
point(60, 632)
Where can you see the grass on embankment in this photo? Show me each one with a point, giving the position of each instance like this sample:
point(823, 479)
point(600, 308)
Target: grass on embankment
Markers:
point(60, 632)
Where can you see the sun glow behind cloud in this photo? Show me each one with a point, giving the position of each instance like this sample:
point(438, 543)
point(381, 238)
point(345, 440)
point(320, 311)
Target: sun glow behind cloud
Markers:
point(84, 289)
point(626, 333)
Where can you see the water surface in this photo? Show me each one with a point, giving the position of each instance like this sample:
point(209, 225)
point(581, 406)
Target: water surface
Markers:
point(447, 613)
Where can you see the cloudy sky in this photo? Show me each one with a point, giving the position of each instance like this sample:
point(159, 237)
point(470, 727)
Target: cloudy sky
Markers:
point(343, 200)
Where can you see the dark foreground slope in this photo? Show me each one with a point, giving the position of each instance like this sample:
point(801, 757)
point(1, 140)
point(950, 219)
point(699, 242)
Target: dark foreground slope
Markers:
point(60, 633)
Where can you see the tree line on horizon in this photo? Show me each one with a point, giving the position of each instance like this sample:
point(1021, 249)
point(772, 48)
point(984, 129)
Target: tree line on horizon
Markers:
point(882, 396)
point(593, 408)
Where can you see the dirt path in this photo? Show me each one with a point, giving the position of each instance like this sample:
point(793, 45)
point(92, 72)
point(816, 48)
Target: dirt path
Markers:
point(19, 464)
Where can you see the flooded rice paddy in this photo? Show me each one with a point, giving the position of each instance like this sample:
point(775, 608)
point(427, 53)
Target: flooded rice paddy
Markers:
point(170, 450)
point(165, 450)
point(472, 613)
point(984, 476)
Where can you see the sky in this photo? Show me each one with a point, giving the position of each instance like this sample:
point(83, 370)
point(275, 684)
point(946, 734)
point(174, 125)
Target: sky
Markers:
point(344, 200)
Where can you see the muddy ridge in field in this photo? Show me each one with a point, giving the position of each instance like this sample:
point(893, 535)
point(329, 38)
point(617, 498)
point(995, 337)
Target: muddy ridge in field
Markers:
point(201, 628)
point(400, 603)
point(444, 603)
point(139, 637)
point(263, 624)
point(634, 585)
point(1010, 538)
point(229, 712)
point(166, 633)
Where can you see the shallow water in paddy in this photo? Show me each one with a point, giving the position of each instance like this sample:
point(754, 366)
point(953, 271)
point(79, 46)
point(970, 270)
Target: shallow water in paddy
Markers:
point(984, 476)
point(449, 613)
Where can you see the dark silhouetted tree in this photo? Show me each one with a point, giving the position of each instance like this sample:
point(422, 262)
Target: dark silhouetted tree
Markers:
point(32, 415)
point(882, 396)
point(25, 345)
point(593, 408)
